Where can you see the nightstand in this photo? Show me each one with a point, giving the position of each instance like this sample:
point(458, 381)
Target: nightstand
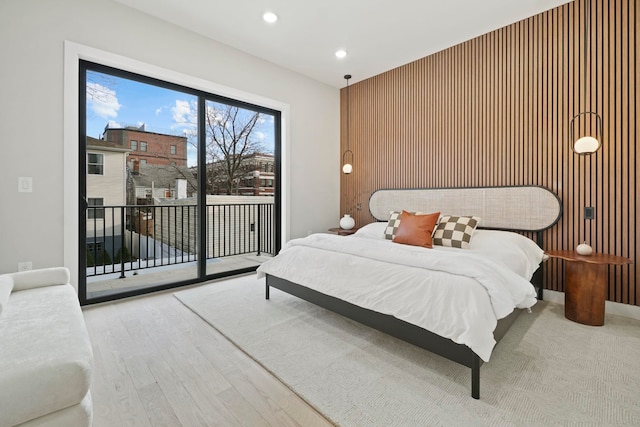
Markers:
point(342, 232)
point(585, 284)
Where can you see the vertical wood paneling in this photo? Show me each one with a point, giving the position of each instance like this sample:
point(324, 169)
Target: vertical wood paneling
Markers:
point(495, 110)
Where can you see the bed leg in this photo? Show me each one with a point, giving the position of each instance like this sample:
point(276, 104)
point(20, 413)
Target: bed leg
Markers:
point(266, 292)
point(475, 377)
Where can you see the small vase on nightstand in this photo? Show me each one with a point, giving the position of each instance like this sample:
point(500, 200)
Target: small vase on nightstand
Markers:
point(346, 222)
point(584, 249)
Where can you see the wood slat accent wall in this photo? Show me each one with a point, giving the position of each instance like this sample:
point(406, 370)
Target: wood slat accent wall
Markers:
point(496, 111)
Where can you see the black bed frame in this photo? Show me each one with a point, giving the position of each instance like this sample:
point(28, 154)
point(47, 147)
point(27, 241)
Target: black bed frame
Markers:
point(411, 333)
point(408, 332)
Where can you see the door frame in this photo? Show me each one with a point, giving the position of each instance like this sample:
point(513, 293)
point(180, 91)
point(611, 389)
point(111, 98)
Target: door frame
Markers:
point(73, 54)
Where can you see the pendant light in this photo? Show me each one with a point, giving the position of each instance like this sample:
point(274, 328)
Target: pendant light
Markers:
point(586, 144)
point(347, 166)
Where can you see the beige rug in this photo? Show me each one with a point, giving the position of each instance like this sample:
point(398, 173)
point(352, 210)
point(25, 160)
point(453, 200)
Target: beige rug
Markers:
point(546, 371)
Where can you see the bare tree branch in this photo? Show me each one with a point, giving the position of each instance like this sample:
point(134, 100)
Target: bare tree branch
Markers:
point(231, 138)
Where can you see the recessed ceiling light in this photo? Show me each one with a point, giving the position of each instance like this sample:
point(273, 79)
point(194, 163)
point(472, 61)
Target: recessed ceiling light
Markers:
point(341, 53)
point(270, 17)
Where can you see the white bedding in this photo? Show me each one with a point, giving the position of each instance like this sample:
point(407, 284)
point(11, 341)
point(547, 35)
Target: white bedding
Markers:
point(520, 254)
point(456, 293)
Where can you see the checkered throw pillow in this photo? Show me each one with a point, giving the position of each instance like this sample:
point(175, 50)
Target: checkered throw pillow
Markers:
point(455, 231)
point(394, 223)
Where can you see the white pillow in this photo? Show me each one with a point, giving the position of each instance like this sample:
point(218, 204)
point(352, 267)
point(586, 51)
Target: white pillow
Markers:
point(375, 230)
point(518, 252)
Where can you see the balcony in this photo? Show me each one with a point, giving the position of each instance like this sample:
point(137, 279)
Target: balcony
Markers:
point(136, 246)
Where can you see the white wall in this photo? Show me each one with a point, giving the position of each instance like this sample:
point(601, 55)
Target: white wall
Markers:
point(32, 46)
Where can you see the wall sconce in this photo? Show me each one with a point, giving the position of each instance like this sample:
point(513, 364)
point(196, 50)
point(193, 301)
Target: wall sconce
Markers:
point(587, 144)
point(347, 166)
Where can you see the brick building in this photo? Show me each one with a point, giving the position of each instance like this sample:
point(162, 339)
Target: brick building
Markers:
point(148, 147)
point(256, 176)
point(260, 181)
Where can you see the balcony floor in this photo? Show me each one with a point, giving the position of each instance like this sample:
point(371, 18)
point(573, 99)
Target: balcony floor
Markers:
point(99, 286)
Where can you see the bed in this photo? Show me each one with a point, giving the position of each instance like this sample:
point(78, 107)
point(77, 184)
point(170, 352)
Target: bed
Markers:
point(457, 303)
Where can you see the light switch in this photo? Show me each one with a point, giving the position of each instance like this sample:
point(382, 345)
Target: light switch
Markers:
point(25, 184)
point(25, 266)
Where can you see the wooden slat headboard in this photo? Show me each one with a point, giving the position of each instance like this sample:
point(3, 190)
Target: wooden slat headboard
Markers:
point(524, 208)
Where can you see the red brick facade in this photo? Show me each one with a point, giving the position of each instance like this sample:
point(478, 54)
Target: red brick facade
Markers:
point(150, 147)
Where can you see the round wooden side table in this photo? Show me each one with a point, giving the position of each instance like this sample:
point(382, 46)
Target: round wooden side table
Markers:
point(585, 284)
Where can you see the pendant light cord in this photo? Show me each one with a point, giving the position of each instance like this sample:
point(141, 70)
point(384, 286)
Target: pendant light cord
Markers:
point(587, 51)
point(347, 77)
point(587, 61)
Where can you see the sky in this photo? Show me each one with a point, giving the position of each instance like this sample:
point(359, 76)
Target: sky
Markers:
point(121, 102)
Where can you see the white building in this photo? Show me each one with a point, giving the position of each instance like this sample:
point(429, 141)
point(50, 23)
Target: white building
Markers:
point(106, 186)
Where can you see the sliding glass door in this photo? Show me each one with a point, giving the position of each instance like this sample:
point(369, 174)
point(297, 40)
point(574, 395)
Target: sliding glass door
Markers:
point(176, 186)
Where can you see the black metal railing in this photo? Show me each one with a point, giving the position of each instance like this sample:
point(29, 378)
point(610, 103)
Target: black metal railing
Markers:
point(133, 237)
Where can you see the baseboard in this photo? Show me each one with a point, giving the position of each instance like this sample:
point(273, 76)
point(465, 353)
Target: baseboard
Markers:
point(616, 308)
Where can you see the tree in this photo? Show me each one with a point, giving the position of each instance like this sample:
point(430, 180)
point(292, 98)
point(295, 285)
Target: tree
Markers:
point(97, 257)
point(122, 255)
point(232, 136)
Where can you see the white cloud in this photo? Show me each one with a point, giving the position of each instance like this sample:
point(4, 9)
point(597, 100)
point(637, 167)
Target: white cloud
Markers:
point(266, 118)
point(158, 111)
point(192, 155)
point(182, 112)
point(260, 136)
point(102, 100)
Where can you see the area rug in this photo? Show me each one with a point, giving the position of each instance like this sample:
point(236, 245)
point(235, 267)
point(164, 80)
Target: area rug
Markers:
point(546, 371)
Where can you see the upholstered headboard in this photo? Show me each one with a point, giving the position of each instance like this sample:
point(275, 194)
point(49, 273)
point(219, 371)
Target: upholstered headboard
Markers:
point(524, 208)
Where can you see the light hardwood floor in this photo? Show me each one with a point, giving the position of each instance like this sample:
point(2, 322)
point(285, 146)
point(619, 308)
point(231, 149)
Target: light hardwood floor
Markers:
point(158, 364)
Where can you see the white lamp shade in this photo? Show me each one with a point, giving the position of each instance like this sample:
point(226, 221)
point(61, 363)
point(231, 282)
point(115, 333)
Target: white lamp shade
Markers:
point(586, 144)
point(347, 168)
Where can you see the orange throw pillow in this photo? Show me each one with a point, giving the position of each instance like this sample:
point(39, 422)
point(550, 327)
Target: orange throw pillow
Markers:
point(416, 230)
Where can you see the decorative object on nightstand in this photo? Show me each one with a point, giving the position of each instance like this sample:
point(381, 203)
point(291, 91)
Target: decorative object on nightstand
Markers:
point(347, 222)
point(585, 284)
point(584, 249)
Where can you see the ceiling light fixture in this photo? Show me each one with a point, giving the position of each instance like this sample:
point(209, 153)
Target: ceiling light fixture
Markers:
point(270, 17)
point(341, 53)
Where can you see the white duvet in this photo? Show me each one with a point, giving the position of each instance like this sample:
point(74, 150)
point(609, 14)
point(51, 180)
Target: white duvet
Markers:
point(458, 294)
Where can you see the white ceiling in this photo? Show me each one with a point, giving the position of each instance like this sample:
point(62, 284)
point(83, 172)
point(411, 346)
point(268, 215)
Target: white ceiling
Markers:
point(378, 35)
